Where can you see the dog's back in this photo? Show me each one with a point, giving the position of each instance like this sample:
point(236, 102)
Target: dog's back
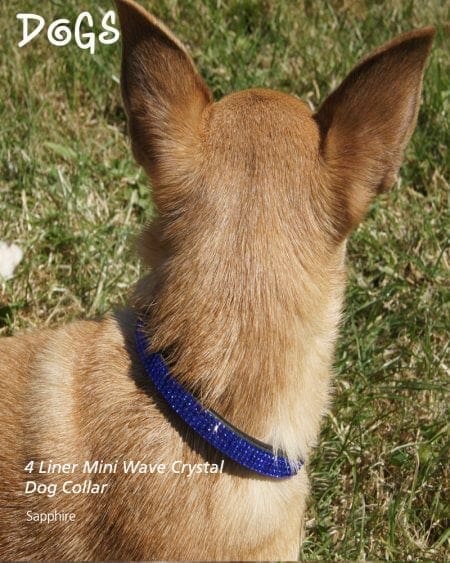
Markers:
point(73, 402)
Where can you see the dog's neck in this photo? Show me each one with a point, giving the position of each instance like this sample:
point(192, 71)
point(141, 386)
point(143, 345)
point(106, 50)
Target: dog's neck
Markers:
point(249, 341)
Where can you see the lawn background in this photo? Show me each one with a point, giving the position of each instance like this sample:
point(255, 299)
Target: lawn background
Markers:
point(73, 199)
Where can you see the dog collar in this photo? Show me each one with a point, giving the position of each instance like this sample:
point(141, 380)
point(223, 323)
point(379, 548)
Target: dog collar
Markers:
point(223, 436)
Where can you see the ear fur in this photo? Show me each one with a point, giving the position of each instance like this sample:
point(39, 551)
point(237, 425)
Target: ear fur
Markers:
point(163, 93)
point(368, 120)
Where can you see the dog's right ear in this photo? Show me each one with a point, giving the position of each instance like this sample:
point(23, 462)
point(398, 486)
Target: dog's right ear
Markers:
point(163, 93)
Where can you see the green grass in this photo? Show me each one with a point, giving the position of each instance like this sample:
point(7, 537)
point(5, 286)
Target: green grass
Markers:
point(72, 197)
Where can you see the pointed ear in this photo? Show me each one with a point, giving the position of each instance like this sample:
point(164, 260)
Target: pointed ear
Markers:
point(366, 123)
point(163, 93)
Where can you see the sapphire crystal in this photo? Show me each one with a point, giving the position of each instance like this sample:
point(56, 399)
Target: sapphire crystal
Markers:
point(223, 436)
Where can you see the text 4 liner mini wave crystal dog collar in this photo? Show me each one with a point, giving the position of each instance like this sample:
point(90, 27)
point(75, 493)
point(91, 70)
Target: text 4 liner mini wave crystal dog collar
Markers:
point(220, 434)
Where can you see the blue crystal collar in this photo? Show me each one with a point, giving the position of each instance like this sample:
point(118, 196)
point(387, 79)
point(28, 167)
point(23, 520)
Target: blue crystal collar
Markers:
point(220, 434)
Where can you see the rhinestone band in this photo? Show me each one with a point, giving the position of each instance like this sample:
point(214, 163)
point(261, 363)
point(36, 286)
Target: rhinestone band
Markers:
point(238, 446)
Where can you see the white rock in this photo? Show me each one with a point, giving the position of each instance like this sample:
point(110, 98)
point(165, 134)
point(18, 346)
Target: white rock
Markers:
point(10, 256)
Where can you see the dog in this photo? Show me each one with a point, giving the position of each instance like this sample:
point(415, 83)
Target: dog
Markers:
point(256, 196)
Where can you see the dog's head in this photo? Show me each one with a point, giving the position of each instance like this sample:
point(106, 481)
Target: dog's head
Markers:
point(258, 153)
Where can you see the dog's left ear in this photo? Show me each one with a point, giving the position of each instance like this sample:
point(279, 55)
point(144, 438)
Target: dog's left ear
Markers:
point(366, 123)
point(163, 93)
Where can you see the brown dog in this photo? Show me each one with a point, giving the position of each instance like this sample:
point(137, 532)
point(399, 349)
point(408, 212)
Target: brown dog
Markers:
point(256, 197)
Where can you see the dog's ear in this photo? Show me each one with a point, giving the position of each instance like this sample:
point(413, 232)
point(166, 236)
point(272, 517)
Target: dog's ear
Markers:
point(163, 93)
point(368, 120)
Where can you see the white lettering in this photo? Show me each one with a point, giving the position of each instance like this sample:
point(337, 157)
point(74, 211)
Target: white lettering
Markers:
point(103, 37)
point(27, 36)
point(59, 32)
point(90, 43)
point(40, 488)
